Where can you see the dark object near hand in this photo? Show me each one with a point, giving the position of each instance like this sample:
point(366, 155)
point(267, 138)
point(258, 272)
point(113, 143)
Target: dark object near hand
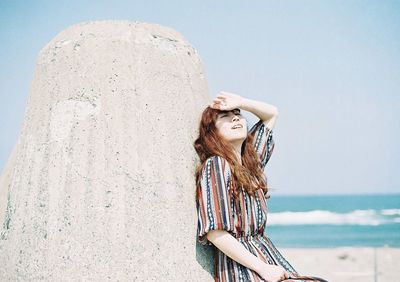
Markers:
point(305, 278)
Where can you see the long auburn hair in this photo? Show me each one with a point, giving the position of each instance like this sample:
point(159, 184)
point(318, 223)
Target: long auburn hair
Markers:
point(248, 175)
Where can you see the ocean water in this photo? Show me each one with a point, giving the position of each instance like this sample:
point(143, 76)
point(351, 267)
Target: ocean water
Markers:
point(334, 221)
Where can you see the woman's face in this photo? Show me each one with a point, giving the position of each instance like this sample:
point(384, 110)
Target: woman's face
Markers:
point(231, 125)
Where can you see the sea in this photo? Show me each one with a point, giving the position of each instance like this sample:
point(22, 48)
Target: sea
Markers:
point(334, 221)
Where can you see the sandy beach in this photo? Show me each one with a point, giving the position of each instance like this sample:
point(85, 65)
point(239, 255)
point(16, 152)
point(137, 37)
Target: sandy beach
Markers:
point(347, 263)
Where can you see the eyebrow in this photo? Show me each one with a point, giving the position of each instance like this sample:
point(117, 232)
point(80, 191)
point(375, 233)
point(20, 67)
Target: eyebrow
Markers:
point(225, 112)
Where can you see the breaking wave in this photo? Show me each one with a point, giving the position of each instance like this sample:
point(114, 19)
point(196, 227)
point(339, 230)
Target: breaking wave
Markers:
point(356, 217)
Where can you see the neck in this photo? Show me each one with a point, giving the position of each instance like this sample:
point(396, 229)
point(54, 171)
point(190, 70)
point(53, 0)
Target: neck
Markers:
point(238, 151)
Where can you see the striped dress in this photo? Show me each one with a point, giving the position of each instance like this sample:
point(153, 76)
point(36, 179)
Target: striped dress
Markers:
point(244, 217)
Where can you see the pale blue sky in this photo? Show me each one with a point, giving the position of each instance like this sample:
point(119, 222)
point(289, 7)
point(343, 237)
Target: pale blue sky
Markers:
point(331, 67)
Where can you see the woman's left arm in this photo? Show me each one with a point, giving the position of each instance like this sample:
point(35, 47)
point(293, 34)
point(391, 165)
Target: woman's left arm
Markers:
point(228, 101)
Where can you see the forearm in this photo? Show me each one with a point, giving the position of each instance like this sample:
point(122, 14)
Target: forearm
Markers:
point(262, 110)
point(235, 250)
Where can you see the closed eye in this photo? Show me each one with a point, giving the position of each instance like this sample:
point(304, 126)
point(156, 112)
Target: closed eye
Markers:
point(235, 113)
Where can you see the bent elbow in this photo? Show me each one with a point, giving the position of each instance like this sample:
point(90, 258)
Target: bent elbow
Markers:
point(276, 112)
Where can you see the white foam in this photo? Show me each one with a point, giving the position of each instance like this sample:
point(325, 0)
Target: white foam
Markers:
point(356, 217)
point(390, 212)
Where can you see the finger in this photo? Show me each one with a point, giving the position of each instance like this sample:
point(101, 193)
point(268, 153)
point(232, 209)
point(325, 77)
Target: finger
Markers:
point(282, 276)
point(214, 104)
point(221, 103)
point(219, 99)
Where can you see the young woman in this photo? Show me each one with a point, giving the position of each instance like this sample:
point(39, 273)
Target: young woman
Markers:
point(232, 191)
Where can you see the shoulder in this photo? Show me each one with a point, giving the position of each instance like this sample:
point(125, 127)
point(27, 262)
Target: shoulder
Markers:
point(216, 173)
point(262, 126)
point(216, 160)
point(218, 164)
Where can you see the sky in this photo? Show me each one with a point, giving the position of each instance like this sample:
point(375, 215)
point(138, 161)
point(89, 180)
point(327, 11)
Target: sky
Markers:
point(332, 68)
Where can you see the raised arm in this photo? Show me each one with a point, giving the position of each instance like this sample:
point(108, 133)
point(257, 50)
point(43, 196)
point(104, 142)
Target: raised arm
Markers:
point(265, 112)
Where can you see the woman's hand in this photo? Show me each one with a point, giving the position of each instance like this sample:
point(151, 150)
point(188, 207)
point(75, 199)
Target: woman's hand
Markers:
point(226, 101)
point(273, 273)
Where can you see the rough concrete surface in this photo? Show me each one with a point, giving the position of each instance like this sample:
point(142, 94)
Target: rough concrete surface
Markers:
point(100, 185)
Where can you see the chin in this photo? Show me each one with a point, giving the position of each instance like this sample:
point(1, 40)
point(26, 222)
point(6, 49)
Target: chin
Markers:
point(238, 138)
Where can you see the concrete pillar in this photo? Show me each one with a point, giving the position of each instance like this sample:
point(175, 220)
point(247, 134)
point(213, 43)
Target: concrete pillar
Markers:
point(100, 186)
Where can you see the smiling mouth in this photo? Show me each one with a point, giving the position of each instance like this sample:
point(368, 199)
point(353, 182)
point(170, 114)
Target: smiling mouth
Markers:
point(237, 126)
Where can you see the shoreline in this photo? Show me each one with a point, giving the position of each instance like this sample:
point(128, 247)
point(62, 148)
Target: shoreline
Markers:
point(343, 264)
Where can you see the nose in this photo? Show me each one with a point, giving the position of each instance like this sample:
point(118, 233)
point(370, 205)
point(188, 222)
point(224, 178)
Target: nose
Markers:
point(235, 117)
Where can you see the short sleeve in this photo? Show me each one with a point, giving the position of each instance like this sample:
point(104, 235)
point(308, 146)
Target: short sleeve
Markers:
point(214, 205)
point(263, 141)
